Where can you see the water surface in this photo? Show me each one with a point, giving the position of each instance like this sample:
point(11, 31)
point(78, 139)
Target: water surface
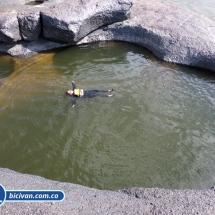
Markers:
point(157, 131)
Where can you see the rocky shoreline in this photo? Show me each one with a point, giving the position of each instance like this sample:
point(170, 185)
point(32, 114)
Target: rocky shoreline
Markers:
point(171, 33)
point(84, 200)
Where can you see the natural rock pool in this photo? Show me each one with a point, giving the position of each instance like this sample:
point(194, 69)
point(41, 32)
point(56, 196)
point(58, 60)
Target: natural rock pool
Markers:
point(157, 131)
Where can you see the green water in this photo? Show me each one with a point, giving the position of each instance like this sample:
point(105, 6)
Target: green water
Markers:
point(157, 131)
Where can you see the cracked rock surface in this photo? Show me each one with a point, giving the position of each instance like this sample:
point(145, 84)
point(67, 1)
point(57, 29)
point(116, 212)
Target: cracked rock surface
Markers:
point(60, 21)
point(79, 18)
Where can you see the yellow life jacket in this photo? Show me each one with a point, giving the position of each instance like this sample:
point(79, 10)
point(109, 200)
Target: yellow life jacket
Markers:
point(78, 92)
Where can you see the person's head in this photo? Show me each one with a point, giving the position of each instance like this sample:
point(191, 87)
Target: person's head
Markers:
point(69, 92)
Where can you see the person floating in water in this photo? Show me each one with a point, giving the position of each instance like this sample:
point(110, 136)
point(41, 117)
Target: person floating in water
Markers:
point(77, 93)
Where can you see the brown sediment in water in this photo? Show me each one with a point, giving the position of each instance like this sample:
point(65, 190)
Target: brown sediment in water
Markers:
point(24, 73)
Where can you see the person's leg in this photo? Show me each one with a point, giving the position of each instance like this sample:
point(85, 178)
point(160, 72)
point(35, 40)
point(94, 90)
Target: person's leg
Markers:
point(101, 91)
point(102, 95)
point(91, 94)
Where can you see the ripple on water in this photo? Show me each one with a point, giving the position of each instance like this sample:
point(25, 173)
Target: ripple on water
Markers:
point(157, 131)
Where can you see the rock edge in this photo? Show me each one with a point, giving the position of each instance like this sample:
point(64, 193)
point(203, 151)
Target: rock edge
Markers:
point(171, 33)
point(84, 200)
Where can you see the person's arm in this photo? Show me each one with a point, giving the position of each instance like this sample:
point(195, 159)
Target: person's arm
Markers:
point(74, 101)
point(73, 85)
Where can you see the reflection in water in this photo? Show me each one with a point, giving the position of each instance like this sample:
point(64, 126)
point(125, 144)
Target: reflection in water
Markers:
point(78, 56)
point(156, 132)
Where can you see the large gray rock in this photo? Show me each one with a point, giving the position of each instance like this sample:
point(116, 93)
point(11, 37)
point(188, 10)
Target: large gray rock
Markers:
point(24, 49)
point(70, 21)
point(172, 33)
point(30, 25)
point(9, 28)
point(83, 200)
point(21, 21)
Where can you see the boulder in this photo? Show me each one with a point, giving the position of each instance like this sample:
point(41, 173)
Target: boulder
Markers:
point(172, 33)
point(30, 26)
point(72, 20)
point(20, 20)
point(24, 49)
point(9, 28)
